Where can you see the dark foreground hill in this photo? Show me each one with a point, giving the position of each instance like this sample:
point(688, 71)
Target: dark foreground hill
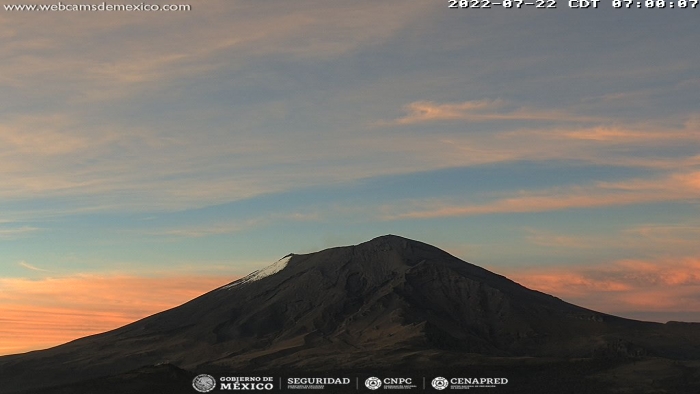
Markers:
point(389, 304)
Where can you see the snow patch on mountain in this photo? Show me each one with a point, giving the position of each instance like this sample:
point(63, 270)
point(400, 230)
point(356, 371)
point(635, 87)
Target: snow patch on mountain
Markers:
point(259, 274)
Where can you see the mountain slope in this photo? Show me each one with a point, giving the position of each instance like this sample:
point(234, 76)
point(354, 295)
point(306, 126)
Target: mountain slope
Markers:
point(387, 301)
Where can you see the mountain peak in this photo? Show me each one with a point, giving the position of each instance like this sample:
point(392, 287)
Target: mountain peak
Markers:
point(393, 240)
point(383, 302)
point(389, 238)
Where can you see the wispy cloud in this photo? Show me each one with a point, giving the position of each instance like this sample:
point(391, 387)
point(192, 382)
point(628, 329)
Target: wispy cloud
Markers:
point(205, 230)
point(218, 228)
point(621, 286)
point(31, 267)
point(426, 111)
point(479, 111)
point(677, 187)
point(630, 134)
point(45, 135)
point(74, 135)
point(163, 175)
point(12, 233)
point(233, 35)
point(667, 233)
point(552, 239)
point(673, 241)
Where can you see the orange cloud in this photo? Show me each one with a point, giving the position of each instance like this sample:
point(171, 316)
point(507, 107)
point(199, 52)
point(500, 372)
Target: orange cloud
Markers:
point(610, 134)
point(622, 286)
point(36, 314)
point(629, 134)
point(675, 187)
point(42, 135)
point(478, 110)
point(425, 111)
point(523, 203)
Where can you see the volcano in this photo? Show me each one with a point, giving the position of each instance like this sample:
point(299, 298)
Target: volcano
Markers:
point(389, 303)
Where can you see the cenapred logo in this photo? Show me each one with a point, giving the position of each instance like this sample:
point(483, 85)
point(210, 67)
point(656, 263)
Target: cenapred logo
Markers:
point(373, 383)
point(440, 383)
point(204, 383)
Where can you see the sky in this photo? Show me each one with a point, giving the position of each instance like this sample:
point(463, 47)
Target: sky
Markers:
point(149, 157)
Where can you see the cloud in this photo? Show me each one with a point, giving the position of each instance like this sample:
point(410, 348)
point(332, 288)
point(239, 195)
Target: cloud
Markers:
point(111, 65)
point(41, 313)
point(479, 111)
point(552, 239)
point(653, 239)
point(31, 267)
point(13, 233)
point(676, 187)
point(678, 234)
point(621, 286)
point(147, 169)
point(206, 230)
point(218, 228)
point(43, 135)
point(197, 232)
point(426, 111)
point(69, 128)
point(107, 125)
point(630, 134)
point(625, 97)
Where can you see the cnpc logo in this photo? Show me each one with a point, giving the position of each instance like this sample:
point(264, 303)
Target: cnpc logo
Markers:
point(373, 383)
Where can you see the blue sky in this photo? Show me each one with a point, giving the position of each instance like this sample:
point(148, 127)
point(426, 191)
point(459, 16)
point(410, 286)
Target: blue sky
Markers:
point(557, 147)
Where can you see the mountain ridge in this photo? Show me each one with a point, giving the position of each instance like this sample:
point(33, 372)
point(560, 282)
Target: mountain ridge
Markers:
point(387, 301)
